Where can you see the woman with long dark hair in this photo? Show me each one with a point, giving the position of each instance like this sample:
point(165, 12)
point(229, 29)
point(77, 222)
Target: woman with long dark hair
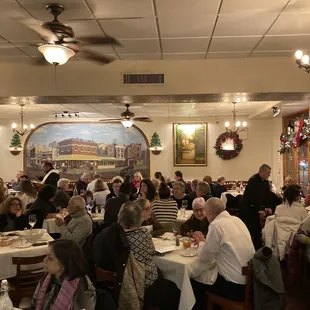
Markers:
point(66, 285)
point(147, 190)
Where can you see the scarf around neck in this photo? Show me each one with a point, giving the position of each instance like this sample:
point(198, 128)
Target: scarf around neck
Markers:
point(64, 300)
point(48, 174)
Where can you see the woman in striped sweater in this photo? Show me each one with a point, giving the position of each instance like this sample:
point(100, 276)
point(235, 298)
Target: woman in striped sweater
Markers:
point(165, 210)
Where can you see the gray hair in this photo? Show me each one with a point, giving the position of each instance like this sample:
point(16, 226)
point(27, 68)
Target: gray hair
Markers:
point(181, 184)
point(62, 182)
point(289, 179)
point(130, 215)
point(156, 183)
point(118, 177)
point(86, 174)
point(264, 167)
point(215, 205)
point(78, 201)
point(204, 187)
point(141, 202)
point(198, 202)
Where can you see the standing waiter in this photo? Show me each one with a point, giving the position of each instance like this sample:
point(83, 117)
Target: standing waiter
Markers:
point(256, 203)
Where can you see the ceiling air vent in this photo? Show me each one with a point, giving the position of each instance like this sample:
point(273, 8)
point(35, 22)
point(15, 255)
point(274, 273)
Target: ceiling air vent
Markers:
point(143, 78)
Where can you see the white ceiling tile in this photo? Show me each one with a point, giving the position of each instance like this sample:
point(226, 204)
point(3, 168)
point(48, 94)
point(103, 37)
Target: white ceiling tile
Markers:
point(8, 50)
point(284, 43)
point(85, 28)
point(233, 44)
point(228, 55)
point(31, 50)
point(74, 9)
point(121, 8)
point(189, 45)
point(13, 31)
point(243, 25)
point(292, 23)
point(205, 105)
point(273, 54)
point(140, 57)
point(130, 28)
point(79, 107)
point(182, 56)
point(143, 46)
point(298, 6)
point(173, 26)
point(252, 6)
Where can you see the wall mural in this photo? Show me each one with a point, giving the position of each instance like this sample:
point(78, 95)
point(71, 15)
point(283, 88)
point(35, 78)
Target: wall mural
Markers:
point(190, 144)
point(74, 148)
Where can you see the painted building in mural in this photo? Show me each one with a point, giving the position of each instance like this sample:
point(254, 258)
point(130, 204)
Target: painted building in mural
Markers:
point(85, 154)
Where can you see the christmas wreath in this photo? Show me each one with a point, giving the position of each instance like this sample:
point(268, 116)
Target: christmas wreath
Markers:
point(228, 154)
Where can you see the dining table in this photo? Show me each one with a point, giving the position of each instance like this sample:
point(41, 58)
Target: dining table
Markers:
point(8, 270)
point(183, 216)
point(231, 192)
point(178, 268)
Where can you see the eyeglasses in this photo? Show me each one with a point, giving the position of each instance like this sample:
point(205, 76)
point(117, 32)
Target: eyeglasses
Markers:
point(15, 204)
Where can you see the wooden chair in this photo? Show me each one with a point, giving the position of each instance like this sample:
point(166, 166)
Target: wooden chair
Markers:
point(25, 282)
point(110, 279)
point(234, 305)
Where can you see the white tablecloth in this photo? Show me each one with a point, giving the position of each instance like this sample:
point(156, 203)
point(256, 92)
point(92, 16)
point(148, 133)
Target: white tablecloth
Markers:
point(233, 193)
point(177, 269)
point(7, 269)
point(181, 219)
point(52, 228)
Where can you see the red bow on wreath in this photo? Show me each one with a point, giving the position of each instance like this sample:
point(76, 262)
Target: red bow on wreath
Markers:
point(298, 136)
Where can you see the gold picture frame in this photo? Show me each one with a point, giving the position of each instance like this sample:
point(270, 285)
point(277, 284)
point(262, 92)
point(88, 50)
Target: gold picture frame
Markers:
point(190, 144)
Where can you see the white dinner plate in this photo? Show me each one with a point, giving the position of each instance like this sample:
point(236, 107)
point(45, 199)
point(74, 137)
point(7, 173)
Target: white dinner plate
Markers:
point(191, 252)
point(23, 245)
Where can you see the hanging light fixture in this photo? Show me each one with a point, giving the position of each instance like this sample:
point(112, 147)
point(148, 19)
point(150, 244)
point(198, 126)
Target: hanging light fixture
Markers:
point(127, 123)
point(56, 54)
point(22, 129)
point(237, 125)
point(302, 60)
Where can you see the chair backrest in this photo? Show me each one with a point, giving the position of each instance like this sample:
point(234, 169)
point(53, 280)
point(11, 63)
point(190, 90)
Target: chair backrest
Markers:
point(28, 279)
point(109, 279)
point(248, 273)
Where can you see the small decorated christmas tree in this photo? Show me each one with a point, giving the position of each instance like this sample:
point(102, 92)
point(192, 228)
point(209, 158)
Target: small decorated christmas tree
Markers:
point(15, 142)
point(155, 141)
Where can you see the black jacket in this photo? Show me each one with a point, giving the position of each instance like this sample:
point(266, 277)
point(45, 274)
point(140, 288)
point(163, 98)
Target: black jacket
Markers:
point(81, 186)
point(213, 189)
point(61, 198)
point(179, 202)
point(41, 209)
point(219, 190)
point(10, 222)
point(112, 208)
point(52, 179)
point(206, 197)
point(111, 249)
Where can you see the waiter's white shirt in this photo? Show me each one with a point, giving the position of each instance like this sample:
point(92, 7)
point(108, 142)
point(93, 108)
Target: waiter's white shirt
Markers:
point(229, 243)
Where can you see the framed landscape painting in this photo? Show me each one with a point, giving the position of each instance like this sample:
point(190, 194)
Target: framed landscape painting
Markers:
point(190, 144)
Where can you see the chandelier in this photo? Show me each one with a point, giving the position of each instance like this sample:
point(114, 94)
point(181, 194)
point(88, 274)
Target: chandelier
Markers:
point(22, 129)
point(238, 125)
point(302, 60)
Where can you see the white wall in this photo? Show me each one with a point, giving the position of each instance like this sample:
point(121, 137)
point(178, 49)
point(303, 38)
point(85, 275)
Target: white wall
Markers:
point(260, 147)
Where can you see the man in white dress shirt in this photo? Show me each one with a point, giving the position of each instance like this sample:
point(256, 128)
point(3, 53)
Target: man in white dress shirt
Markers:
point(229, 243)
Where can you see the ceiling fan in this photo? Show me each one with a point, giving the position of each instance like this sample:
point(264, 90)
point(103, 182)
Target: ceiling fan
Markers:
point(60, 43)
point(127, 118)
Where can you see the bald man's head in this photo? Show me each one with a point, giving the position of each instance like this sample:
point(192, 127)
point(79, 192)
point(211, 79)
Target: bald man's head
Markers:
point(288, 181)
point(213, 207)
point(76, 204)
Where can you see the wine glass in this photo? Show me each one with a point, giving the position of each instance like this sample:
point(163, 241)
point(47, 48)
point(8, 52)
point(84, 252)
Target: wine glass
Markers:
point(184, 206)
point(32, 219)
point(176, 230)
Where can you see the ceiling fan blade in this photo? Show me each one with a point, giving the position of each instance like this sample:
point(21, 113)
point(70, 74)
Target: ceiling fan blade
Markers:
point(98, 40)
point(110, 120)
point(36, 25)
point(143, 119)
point(94, 56)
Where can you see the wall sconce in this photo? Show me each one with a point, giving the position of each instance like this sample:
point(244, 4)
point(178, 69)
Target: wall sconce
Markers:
point(155, 145)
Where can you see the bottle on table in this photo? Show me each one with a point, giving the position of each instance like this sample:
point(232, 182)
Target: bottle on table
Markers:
point(75, 191)
point(5, 300)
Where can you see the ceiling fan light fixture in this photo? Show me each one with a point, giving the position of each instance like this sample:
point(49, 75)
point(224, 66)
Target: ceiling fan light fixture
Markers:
point(127, 123)
point(56, 54)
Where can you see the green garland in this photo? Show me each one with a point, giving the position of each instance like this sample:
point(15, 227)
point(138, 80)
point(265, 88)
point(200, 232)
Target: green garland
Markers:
point(228, 154)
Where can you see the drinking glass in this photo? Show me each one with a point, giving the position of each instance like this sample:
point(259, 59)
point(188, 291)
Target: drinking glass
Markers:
point(176, 229)
point(32, 219)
